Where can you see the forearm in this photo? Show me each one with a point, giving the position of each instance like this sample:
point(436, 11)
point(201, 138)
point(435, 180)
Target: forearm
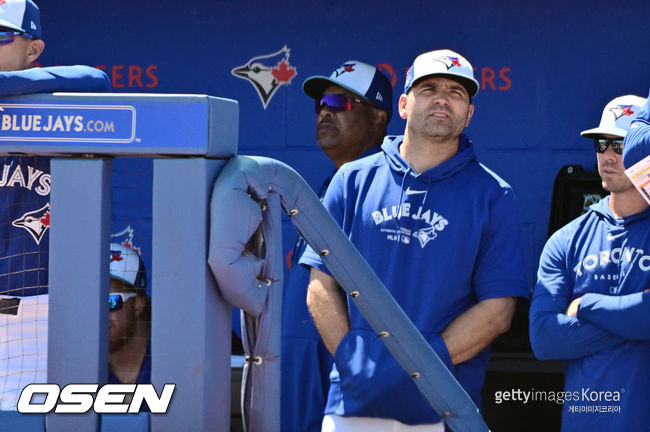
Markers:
point(556, 336)
point(627, 316)
point(473, 330)
point(52, 79)
point(328, 308)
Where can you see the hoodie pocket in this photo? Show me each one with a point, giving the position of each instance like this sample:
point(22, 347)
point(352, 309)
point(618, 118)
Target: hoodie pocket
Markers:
point(373, 384)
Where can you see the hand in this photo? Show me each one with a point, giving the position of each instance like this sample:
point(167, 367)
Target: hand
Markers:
point(572, 310)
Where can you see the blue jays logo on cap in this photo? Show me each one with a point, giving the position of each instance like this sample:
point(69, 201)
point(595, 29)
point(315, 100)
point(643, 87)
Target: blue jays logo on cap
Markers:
point(348, 67)
point(127, 266)
point(116, 256)
point(358, 77)
point(443, 63)
point(449, 61)
point(621, 110)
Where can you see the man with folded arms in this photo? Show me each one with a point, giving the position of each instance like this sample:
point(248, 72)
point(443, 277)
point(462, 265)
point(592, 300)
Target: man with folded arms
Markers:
point(591, 306)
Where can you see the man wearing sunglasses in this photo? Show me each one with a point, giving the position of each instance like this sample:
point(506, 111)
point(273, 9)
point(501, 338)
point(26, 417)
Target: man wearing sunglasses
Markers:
point(441, 232)
point(353, 106)
point(24, 204)
point(591, 305)
point(129, 357)
point(20, 43)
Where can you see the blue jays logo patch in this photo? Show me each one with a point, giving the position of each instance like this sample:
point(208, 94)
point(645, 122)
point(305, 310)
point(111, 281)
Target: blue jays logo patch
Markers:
point(267, 73)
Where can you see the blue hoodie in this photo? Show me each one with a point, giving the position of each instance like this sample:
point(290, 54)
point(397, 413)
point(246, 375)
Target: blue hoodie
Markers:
point(441, 241)
point(606, 348)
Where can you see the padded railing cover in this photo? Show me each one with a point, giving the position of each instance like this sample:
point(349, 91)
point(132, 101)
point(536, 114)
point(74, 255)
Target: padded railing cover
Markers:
point(247, 194)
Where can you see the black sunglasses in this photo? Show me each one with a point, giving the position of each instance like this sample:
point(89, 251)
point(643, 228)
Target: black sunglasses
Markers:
point(601, 145)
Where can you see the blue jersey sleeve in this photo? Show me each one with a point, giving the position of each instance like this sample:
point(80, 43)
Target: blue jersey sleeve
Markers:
point(627, 316)
point(334, 203)
point(500, 270)
point(553, 334)
point(52, 79)
point(637, 140)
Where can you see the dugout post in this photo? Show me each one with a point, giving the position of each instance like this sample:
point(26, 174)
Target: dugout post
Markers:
point(193, 136)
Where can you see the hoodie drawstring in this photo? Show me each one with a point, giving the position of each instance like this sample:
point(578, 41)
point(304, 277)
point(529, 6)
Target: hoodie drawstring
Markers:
point(399, 205)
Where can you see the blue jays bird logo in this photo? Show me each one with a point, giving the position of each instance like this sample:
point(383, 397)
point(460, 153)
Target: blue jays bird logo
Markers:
point(621, 110)
point(116, 256)
point(449, 61)
point(35, 222)
point(125, 238)
point(348, 67)
point(267, 73)
point(425, 235)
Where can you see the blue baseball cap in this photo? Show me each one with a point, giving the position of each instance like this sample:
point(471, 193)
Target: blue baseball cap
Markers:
point(127, 266)
point(21, 15)
point(360, 78)
point(444, 63)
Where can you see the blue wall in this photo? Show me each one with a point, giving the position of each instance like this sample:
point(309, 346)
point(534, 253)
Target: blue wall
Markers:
point(546, 68)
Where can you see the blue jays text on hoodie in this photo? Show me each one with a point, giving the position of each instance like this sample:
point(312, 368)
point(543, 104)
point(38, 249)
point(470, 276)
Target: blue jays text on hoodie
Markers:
point(606, 348)
point(25, 184)
point(441, 241)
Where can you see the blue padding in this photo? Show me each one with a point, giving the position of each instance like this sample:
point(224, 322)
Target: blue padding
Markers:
point(13, 421)
point(125, 422)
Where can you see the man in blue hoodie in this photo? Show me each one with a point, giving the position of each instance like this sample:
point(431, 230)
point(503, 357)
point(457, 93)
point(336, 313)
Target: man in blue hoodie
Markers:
point(441, 232)
point(353, 106)
point(24, 204)
point(591, 306)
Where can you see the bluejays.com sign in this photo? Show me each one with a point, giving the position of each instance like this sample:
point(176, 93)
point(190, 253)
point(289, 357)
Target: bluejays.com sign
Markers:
point(68, 123)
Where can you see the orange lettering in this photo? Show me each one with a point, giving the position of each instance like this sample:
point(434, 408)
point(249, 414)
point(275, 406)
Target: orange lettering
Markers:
point(506, 80)
point(487, 76)
point(154, 79)
point(116, 76)
point(135, 75)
